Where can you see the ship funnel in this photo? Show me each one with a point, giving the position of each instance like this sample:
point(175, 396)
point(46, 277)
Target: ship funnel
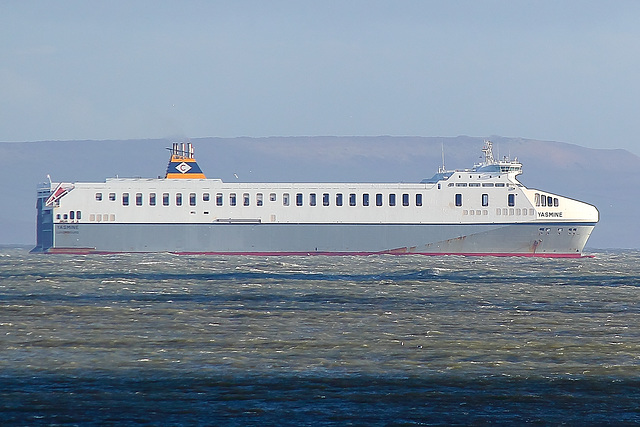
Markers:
point(182, 164)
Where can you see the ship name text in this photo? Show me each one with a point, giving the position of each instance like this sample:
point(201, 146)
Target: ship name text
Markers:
point(549, 214)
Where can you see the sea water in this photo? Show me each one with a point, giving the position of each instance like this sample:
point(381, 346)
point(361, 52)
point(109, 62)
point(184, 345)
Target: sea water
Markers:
point(378, 340)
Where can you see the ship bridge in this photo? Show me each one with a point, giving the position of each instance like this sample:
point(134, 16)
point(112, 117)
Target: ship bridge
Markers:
point(491, 165)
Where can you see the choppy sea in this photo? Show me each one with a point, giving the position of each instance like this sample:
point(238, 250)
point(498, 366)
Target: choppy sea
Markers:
point(160, 339)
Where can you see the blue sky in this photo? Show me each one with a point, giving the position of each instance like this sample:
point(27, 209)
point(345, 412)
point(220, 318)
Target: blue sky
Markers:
point(553, 70)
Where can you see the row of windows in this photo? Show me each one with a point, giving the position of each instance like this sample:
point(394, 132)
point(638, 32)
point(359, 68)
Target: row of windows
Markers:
point(72, 215)
point(313, 199)
point(514, 211)
point(476, 184)
point(543, 200)
point(511, 200)
point(352, 199)
point(102, 217)
point(152, 198)
point(503, 211)
point(77, 215)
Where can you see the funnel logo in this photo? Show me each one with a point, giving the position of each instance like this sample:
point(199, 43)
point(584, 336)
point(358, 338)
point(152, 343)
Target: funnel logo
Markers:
point(183, 167)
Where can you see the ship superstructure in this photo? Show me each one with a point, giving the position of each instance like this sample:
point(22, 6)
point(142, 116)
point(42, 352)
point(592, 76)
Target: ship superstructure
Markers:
point(483, 210)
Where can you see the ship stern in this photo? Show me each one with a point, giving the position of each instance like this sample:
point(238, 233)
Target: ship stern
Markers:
point(44, 220)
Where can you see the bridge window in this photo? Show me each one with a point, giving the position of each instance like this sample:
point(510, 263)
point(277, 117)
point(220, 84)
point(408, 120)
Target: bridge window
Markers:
point(458, 199)
point(542, 200)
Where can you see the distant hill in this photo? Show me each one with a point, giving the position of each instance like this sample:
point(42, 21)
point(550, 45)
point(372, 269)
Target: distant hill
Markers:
point(606, 178)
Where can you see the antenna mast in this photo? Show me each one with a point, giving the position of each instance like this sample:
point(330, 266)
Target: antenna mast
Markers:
point(488, 153)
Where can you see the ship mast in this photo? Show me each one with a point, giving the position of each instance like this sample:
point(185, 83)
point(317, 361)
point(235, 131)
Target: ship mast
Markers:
point(442, 168)
point(488, 153)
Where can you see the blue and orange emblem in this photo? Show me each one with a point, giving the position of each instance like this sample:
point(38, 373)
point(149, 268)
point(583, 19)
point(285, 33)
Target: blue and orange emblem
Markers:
point(182, 164)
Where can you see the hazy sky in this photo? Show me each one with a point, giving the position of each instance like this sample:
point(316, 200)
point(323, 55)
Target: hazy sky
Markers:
point(555, 70)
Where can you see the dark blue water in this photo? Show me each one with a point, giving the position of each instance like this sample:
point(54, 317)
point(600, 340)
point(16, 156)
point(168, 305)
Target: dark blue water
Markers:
point(380, 340)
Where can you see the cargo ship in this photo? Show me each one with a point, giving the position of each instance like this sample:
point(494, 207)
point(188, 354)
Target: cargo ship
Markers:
point(482, 210)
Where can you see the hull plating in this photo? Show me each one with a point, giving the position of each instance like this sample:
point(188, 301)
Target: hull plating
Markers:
point(530, 239)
